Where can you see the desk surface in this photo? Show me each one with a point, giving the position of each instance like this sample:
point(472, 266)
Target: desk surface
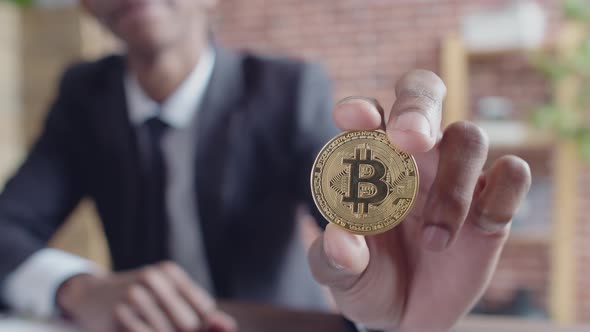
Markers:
point(8, 324)
point(255, 318)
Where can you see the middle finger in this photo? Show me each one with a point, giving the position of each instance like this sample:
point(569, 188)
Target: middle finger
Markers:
point(177, 309)
point(463, 152)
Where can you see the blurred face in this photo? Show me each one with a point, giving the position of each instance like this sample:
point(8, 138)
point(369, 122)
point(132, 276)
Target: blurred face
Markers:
point(148, 26)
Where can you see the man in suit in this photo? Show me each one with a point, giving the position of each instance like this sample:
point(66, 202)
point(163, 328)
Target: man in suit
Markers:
point(197, 158)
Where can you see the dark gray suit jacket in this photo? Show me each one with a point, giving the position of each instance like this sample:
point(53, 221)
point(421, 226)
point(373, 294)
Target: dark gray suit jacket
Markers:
point(260, 125)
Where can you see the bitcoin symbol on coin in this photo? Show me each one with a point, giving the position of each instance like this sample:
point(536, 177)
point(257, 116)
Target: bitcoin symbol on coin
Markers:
point(366, 181)
point(363, 183)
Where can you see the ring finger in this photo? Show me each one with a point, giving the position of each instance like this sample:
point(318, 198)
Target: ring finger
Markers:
point(147, 307)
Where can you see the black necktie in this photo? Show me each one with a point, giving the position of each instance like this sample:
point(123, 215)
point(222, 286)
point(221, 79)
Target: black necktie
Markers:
point(154, 207)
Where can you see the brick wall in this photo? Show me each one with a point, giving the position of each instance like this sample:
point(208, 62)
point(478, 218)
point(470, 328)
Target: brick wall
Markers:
point(367, 44)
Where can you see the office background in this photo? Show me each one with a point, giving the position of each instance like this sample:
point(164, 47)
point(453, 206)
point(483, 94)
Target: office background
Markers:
point(365, 45)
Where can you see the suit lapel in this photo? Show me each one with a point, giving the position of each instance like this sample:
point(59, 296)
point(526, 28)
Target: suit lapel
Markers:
point(117, 141)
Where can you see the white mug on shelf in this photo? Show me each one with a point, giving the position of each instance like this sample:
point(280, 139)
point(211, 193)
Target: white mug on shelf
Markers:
point(521, 24)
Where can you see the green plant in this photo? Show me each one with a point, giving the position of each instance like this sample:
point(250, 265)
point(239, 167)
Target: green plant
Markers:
point(570, 124)
point(20, 2)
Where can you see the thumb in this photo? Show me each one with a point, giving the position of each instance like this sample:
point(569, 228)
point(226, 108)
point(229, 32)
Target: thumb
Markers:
point(338, 258)
point(371, 293)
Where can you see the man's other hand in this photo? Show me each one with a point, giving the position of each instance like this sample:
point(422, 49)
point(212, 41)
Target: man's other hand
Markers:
point(158, 298)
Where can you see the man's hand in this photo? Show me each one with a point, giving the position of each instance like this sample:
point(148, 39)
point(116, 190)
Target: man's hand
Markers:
point(427, 273)
point(158, 298)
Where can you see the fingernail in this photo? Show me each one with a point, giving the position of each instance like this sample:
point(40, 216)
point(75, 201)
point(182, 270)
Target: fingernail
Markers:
point(355, 113)
point(492, 227)
point(345, 239)
point(435, 238)
point(334, 264)
point(349, 112)
point(330, 252)
point(413, 121)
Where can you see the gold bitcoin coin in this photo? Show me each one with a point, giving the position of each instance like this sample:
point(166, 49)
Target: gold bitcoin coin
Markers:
point(363, 183)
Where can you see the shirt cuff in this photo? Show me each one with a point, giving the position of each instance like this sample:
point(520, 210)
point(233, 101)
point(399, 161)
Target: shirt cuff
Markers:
point(31, 288)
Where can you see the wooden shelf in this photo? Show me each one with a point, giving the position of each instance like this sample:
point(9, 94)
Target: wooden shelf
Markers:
point(494, 53)
point(518, 237)
point(455, 65)
point(515, 135)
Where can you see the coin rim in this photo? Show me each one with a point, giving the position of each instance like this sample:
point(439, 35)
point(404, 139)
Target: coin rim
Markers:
point(380, 231)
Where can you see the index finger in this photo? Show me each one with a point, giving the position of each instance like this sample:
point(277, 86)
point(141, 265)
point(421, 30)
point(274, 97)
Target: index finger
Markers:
point(358, 113)
point(197, 297)
point(414, 121)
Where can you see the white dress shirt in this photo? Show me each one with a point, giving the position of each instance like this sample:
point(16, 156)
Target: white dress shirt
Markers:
point(31, 287)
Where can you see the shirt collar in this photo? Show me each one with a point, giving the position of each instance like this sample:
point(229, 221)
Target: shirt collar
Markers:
point(178, 110)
